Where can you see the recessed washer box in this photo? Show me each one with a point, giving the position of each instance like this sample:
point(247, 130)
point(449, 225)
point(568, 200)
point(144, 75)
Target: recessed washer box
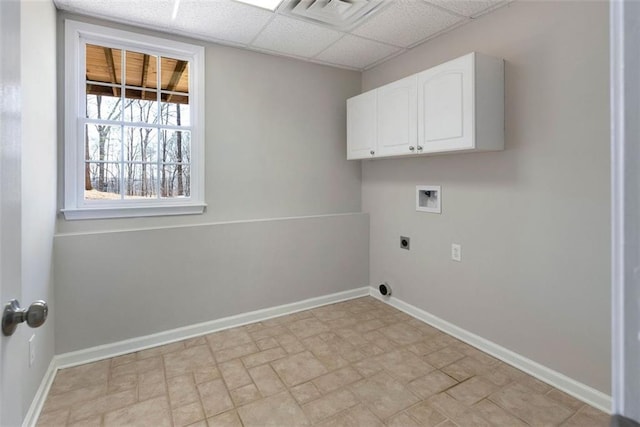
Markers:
point(428, 198)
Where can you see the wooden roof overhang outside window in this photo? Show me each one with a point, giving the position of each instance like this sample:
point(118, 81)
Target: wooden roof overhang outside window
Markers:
point(104, 65)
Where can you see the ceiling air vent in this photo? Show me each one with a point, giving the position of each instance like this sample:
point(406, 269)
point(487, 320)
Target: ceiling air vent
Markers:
point(341, 14)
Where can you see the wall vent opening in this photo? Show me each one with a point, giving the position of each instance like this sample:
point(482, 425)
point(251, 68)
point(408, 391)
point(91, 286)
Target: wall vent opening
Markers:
point(385, 289)
point(339, 14)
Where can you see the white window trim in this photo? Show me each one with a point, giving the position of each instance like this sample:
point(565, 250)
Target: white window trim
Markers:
point(75, 207)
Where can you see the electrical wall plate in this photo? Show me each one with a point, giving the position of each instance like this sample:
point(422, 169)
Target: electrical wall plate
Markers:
point(428, 198)
point(456, 252)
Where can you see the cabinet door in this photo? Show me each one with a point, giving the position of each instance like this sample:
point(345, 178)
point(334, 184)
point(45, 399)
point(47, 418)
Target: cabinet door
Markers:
point(445, 106)
point(397, 117)
point(361, 126)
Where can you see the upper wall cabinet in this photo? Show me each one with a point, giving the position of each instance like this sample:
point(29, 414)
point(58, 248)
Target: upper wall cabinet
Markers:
point(397, 117)
point(461, 105)
point(453, 107)
point(361, 126)
point(383, 122)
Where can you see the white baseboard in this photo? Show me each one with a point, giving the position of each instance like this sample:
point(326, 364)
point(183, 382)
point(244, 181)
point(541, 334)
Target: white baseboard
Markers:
point(560, 381)
point(41, 395)
point(106, 351)
point(580, 391)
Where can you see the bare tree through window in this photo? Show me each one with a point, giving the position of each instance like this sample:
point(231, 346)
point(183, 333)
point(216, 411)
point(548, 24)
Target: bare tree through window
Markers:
point(137, 133)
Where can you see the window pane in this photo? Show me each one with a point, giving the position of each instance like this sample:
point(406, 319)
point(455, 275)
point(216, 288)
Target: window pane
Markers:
point(103, 64)
point(140, 144)
point(141, 106)
point(140, 180)
point(142, 70)
point(174, 75)
point(175, 181)
point(103, 102)
point(176, 112)
point(175, 146)
point(102, 143)
point(102, 181)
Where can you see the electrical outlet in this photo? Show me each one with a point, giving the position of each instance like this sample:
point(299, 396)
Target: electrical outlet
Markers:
point(32, 350)
point(405, 243)
point(456, 252)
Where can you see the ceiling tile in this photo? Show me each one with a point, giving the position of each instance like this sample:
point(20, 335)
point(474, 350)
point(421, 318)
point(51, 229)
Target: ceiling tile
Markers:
point(468, 8)
point(293, 37)
point(145, 12)
point(398, 23)
point(356, 52)
point(406, 22)
point(221, 19)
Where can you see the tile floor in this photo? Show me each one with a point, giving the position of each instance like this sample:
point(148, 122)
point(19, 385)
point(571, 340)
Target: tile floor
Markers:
point(355, 363)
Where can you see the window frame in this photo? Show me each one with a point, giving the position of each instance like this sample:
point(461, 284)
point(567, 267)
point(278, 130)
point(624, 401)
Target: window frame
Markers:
point(77, 35)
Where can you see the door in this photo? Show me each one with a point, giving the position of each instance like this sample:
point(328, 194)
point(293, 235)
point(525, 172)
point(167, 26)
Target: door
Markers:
point(445, 106)
point(397, 117)
point(13, 348)
point(625, 189)
point(361, 126)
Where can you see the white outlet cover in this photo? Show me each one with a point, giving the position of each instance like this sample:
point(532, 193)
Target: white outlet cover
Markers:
point(456, 252)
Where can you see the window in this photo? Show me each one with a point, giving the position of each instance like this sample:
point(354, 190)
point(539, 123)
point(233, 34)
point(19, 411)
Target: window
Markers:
point(134, 127)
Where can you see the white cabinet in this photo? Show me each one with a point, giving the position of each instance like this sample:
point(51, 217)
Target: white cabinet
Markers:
point(383, 121)
point(361, 126)
point(456, 106)
point(397, 117)
point(460, 105)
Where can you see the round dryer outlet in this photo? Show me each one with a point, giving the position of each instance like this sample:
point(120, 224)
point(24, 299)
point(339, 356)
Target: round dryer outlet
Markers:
point(385, 289)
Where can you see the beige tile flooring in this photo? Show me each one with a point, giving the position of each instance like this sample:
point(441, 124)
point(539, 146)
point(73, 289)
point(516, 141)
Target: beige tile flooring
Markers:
point(354, 363)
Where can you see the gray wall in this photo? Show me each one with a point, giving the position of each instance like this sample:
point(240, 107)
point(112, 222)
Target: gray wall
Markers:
point(275, 139)
point(39, 128)
point(275, 148)
point(533, 220)
point(172, 277)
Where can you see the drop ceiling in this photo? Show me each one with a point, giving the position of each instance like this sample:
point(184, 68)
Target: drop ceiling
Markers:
point(352, 34)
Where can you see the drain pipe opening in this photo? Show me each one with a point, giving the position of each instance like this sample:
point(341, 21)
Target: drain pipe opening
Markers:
point(385, 289)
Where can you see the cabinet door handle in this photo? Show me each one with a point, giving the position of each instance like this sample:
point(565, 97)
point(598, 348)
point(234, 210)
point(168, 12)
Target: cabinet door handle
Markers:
point(419, 148)
point(372, 152)
point(411, 148)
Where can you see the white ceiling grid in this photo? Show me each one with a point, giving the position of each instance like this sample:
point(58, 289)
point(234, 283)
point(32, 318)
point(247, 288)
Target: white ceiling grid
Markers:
point(295, 37)
point(390, 29)
point(219, 20)
point(407, 22)
point(468, 8)
point(356, 52)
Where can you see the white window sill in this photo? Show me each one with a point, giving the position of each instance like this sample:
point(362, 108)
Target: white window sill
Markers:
point(132, 211)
